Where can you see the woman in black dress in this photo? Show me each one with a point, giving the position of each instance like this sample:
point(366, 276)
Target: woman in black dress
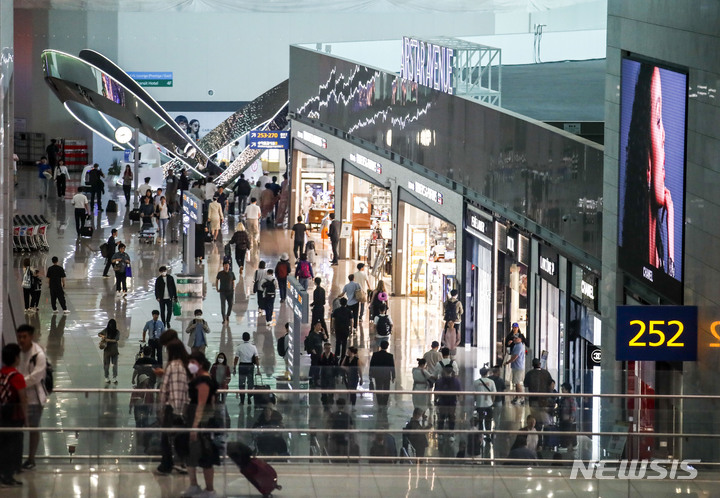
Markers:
point(202, 389)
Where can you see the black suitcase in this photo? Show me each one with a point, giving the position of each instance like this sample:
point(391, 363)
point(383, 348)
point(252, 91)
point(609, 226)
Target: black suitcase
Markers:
point(111, 206)
point(86, 231)
point(135, 215)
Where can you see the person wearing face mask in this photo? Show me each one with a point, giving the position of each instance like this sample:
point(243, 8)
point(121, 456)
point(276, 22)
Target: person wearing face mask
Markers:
point(200, 410)
point(165, 293)
point(220, 372)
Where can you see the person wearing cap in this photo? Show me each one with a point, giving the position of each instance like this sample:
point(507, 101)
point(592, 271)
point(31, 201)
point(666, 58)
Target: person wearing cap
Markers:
point(514, 332)
point(517, 367)
point(298, 231)
point(538, 380)
point(282, 270)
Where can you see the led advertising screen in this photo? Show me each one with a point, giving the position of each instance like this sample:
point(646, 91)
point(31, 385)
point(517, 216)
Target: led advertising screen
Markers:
point(653, 112)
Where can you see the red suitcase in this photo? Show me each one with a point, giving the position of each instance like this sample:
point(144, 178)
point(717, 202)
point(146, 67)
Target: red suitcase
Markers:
point(261, 475)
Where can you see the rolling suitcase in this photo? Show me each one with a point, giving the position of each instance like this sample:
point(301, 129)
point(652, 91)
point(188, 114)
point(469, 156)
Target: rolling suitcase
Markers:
point(257, 471)
point(111, 206)
point(135, 215)
point(264, 399)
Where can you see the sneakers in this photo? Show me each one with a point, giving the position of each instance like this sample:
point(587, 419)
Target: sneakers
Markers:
point(66, 312)
point(55, 312)
point(114, 380)
point(28, 465)
point(194, 490)
point(107, 380)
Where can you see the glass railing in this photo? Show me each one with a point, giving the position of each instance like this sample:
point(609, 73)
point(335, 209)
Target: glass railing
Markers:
point(322, 425)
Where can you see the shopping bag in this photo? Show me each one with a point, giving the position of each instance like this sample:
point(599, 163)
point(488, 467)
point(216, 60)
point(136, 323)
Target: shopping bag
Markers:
point(177, 308)
point(128, 271)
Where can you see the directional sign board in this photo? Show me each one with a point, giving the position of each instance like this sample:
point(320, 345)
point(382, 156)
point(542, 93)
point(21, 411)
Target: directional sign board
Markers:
point(266, 139)
point(153, 79)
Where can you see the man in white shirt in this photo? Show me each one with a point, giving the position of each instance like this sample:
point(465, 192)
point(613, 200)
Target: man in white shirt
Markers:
point(484, 402)
point(243, 365)
point(142, 189)
point(252, 217)
point(265, 178)
point(82, 209)
point(361, 278)
point(33, 364)
point(210, 188)
point(446, 360)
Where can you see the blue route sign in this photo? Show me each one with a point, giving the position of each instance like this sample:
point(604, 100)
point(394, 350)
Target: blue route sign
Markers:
point(266, 139)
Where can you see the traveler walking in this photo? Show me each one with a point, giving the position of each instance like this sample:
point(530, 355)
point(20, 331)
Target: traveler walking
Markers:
point(95, 177)
point(242, 244)
point(361, 278)
point(298, 232)
point(197, 330)
point(252, 217)
point(352, 372)
point(352, 292)
point(225, 285)
point(246, 356)
point(282, 270)
point(242, 190)
point(382, 371)
point(304, 271)
point(165, 294)
point(268, 286)
point(173, 400)
point(127, 184)
point(61, 175)
point(121, 262)
point(317, 306)
point(422, 381)
point(33, 367)
point(334, 234)
point(27, 277)
point(56, 283)
point(82, 209)
point(154, 328)
point(110, 336)
point(110, 251)
point(14, 414)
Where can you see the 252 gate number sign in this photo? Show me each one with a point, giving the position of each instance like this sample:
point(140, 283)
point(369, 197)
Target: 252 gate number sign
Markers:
point(657, 333)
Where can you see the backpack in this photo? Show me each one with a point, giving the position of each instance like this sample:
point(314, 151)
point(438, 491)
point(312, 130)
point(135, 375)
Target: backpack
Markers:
point(282, 345)
point(268, 288)
point(282, 269)
point(104, 250)
point(450, 311)
point(383, 326)
point(48, 380)
point(36, 283)
point(27, 279)
point(304, 271)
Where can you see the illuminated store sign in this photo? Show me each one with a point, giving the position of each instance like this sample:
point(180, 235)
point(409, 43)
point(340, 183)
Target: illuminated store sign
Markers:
point(425, 191)
point(366, 163)
point(427, 64)
point(313, 139)
point(549, 264)
point(478, 225)
point(657, 333)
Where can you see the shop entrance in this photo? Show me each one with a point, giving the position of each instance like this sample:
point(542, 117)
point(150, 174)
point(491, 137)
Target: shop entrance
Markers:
point(428, 269)
point(370, 210)
point(314, 185)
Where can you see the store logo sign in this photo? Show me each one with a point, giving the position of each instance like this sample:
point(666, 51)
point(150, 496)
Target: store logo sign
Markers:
point(366, 163)
point(510, 244)
point(478, 224)
point(547, 266)
point(425, 191)
point(427, 64)
point(587, 289)
point(313, 139)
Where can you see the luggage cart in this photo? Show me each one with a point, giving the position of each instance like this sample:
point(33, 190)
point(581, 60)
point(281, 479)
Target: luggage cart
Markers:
point(43, 225)
point(147, 234)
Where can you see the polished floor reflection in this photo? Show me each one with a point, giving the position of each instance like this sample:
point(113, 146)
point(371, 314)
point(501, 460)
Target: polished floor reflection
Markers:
point(72, 345)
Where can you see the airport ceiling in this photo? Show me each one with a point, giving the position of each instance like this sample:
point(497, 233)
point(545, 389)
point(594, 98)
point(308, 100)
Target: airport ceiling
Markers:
point(299, 6)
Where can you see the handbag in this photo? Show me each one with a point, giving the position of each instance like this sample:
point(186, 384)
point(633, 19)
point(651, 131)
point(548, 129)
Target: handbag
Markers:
point(177, 308)
point(128, 271)
point(360, 296)
point(103, 344)
point(47, 174)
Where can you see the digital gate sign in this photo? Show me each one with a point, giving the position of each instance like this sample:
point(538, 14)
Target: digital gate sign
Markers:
point(657, 333)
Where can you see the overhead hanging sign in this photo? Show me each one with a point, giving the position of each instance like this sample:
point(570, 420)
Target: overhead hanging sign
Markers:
point(155, 78)
point(266, 139)
point(657, 333)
